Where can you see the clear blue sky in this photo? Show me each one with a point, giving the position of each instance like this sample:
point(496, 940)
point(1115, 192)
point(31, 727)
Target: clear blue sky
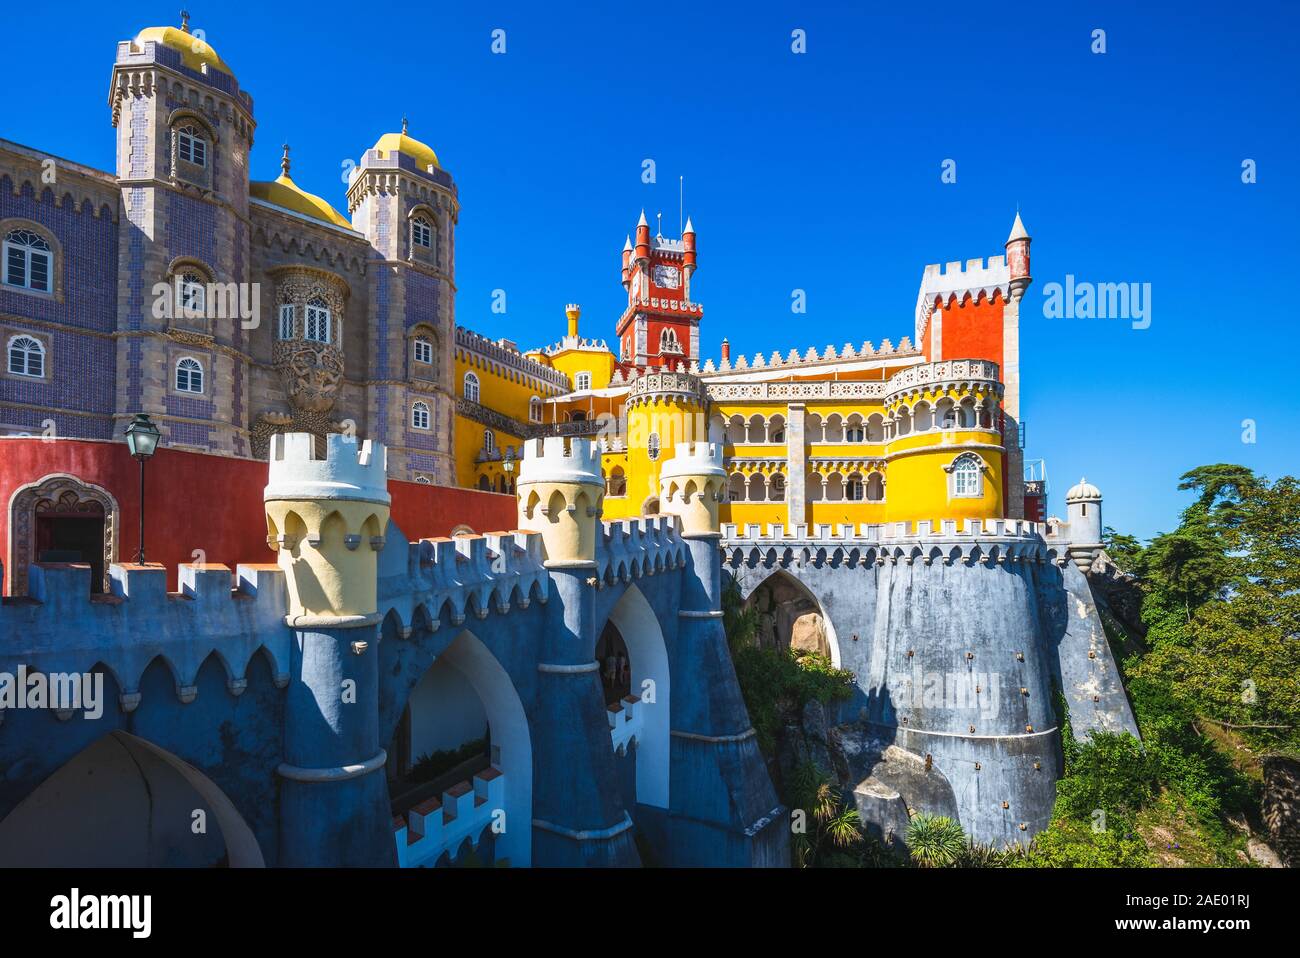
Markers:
point(820, 172)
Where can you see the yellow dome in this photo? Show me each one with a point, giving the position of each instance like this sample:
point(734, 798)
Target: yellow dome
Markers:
point(194, 52)
point(402, 142)
point(286, 194)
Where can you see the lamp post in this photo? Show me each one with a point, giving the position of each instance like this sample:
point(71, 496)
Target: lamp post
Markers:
point(142, 439)
point(508, 464)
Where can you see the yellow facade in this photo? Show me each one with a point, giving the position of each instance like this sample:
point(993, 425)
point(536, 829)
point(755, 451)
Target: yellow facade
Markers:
point(869, 439)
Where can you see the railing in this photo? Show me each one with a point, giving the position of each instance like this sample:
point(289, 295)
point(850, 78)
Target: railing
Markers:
point(439, 825)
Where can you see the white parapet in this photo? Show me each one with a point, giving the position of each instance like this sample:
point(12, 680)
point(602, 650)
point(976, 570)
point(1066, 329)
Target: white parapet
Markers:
point(351, 470)
point(561, 459)
point(626, 723)
point(442, 824)
point(694, 459)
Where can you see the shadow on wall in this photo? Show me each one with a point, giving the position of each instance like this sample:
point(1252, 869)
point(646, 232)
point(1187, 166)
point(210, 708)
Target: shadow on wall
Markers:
point(125, 802)
point(790, 618)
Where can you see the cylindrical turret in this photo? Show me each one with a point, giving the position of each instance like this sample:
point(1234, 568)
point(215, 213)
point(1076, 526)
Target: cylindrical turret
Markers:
point(691, 487)
point(573, 311)
point(627, 262)
point(726, 350)
point(642, 240)
point(688, 247)
point(561, 495)
point(1018, 256)
point(1083, 504)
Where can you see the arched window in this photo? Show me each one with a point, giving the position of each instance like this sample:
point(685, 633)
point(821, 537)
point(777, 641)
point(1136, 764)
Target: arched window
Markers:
point(617, 484)
point(422, 233)
point(776, 488)
point(535, 409)
point(875, 487)
point(854, 490)
point(582, 381)
point(423, 351)
point(189, 375)
point(489, 441)
point(191, 146)
point(652, 446)
point(191, 294)
point(285, 328)
point(29, 263)
point(318, 321)
point(26, 357)
point(420, 416)
point(471, 387)
point(967, 476)
point(668, 342)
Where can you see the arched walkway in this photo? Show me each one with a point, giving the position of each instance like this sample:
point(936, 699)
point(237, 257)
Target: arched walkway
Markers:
point(465, 687)
point(647, 653)
point(125, 802)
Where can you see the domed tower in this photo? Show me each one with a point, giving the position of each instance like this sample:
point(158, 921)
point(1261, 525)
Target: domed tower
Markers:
point(1083, 505)
point(184, 132)
point(406, 205)
point(664, 410)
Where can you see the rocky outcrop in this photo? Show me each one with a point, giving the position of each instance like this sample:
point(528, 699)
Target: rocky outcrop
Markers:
point(1281, 806)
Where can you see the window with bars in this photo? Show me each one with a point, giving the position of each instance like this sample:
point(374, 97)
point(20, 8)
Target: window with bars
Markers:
point(318, 321)
point(189, 376)
point(285, 328)
point(28, 260)
point(26, 357)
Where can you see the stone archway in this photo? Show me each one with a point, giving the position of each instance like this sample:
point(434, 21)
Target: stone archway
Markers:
point(58, 494)
point(790, 616)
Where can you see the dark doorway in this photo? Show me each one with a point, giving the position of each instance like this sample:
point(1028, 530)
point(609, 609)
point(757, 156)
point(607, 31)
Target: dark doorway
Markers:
point(74, 538)
point(615, 665)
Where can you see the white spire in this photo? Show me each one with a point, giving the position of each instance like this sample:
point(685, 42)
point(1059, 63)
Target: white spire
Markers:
point(642, 220)
point(689, 228)
point(627, 244)
point(1018, 231)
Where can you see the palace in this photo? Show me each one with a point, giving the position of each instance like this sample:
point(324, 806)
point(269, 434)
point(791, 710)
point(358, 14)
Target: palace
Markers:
point(336, 456)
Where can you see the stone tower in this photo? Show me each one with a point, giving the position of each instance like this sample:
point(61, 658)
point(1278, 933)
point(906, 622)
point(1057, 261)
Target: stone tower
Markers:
point(184, 132)
point(406, 205)
point(326, 519)
point(661, 324)
point(1083, 505)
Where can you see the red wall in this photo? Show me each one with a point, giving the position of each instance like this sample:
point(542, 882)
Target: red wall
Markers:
point(973, 330)
point(214, 503)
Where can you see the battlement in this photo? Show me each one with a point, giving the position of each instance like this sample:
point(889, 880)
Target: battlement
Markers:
point(881, 532)
point(560, 459)
point(810, 357)
point(351, 469)
point(628, 549)
point(954, 281)
point(66, 629)
point(693, 458)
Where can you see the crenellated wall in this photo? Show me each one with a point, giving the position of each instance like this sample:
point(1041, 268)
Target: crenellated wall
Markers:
point(960, 637)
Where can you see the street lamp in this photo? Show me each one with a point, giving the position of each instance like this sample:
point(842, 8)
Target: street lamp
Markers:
point(508, 464)
point(142, 439)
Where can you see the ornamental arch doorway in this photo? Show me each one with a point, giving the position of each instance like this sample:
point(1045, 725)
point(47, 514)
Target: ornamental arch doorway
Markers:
point(60, 518)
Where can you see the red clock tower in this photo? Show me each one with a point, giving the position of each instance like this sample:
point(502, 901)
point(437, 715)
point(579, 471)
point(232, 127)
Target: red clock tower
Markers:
point(661, 325)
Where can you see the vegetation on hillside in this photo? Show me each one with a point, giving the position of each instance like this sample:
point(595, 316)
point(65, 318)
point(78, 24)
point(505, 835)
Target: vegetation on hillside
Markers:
point(1213, 681)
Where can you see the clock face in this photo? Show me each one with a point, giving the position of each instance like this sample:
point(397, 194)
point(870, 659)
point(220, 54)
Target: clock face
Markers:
point(667, 277)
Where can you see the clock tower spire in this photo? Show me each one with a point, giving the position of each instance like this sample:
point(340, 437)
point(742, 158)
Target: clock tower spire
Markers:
point(661, 324)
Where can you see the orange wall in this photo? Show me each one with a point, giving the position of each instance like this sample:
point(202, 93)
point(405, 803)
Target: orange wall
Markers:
point(973, 330)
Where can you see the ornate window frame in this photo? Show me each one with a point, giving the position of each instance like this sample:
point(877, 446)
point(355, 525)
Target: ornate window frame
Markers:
point(470, 386)
point(194, 124)
point(22, 522)
point(12, 224)
point(428, 255)
point(180, 272)
point(190, 373)
point(954, 475)
point(420, 416)
point(42, 350)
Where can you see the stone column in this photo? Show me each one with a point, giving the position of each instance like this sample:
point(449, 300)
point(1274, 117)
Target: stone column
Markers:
point(796, 492)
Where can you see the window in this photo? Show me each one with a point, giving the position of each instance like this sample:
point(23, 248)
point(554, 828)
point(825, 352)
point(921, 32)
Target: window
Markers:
point(582, 381)
point(422, 233)
point(776, 488)
point(668, 342)
point(26, 357)
point(855, 434)
point(489, 441)
point(423, 351)
point(191, 294)
point(471, 387)
point(189, 376)
point(535, 409)
point(28, 261)
point(855, 491)
point(967, 477)
point(285, 329)
point(191, 146)
point(318, 321)
point(652, 446)
point(420, 416)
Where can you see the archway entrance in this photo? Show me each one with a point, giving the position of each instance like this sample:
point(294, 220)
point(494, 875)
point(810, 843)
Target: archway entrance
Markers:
point(633, 635)
point(60, 518)
point(789, 616)
point(124, 802)
point(460, 765)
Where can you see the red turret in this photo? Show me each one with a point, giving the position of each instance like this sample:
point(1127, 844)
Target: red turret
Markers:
point(642, 240)
point(688, 247)
point(1018, 254)
point(726, 350)
point(627, 262)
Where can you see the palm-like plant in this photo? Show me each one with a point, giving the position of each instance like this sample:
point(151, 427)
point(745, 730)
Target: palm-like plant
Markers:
point(935, 841)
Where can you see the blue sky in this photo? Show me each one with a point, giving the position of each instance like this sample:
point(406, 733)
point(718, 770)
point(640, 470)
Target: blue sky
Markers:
point(819, 172)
